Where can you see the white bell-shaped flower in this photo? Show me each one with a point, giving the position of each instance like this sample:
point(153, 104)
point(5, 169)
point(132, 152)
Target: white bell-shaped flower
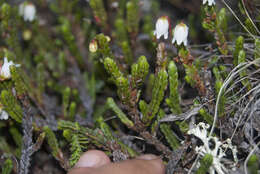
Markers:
point(5, 69)
point(210, 2)
point(3, 114)
point(180, 34)
point(162, 27)
point(28, 11)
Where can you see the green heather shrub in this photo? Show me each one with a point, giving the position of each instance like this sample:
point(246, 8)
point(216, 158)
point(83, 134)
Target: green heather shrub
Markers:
point(130, 77)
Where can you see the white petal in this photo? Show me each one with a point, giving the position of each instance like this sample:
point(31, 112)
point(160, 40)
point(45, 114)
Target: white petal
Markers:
point(173, 40)
point(166, 35)
point(185, 42)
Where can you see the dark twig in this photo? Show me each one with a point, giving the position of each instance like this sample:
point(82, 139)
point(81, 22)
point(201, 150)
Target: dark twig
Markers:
point(157, 143)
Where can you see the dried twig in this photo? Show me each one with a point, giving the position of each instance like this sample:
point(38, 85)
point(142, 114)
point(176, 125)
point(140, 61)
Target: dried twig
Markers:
point(27, 144)
point(183, 116)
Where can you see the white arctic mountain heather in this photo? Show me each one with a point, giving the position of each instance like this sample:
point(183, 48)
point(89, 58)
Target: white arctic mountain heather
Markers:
point(180, 34)
point(28, 11)
point(5, 69)
point(210, 2)
point(3, 114)
point(162, 27)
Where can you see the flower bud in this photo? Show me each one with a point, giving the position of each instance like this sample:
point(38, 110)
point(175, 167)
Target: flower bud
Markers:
point(93, 46)
point(108, 38)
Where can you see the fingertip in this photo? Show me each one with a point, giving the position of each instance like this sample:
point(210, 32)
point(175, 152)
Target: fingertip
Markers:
point(93, 158)
point(158, 164)
point(147, 157)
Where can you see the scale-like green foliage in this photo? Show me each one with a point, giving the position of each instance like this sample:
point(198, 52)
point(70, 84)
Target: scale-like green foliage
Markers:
point(216, 22)
point(112, 68)
point(65, 100)
point(75, 149)
point(103, 46)
point(121, 30)
point(139, 71)
point(205, 164)
point(257, 49)
point(11, 105)
point(123, 41)
point(70, 39)
point(17, 136)
point(174, 99)
point(20, 86)
point(112, 139)
point(124, 119)
point(238, 47)
point(72, 110)
point(100, 14)
point(74, 128)
point(7, 167)
point(190, 71)
point(52, 141)
point(218, 85)
point(168, 133)
point(126, 48)
point(206, 116)
point(253, 164)
point(250, 26)
point(123, 89)
point(243, 73)
point(132, 20)
point(157, 96)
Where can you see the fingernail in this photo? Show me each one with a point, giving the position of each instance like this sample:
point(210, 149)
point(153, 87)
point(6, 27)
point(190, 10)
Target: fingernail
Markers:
point(148, 157)
point(92, 158)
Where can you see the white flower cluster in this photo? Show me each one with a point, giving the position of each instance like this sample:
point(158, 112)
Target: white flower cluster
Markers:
point(180, 32)
point(27, 11)
point(5, 69)
point(212, 145)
